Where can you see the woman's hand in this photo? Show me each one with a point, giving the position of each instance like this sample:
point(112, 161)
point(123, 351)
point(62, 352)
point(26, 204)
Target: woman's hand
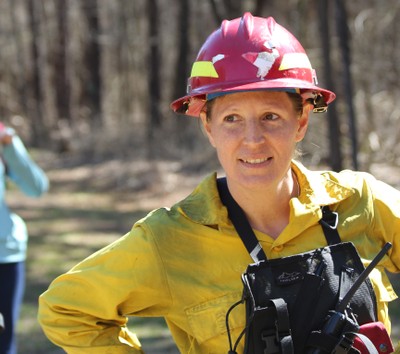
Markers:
point(6, 134)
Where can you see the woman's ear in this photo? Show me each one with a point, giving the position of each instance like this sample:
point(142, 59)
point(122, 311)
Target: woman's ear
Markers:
point(207, 127)
point(303, 122)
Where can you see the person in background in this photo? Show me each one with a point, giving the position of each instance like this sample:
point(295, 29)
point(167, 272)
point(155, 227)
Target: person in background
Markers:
point(253, 87)
point(15, 165)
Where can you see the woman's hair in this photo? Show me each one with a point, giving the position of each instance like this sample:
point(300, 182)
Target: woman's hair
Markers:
point(296, 99)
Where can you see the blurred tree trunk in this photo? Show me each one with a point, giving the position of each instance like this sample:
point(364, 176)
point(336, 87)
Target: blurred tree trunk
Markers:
point(343, 33)
point(259, 7)
point(35, 102)
point(228, 9)
point(123, 63)
point(182, 65)
point(335, 154)
point(154, 81)
point(233, 8)
point(61, 82)
point(182, 70)
point(21, 76)
point(92, 62)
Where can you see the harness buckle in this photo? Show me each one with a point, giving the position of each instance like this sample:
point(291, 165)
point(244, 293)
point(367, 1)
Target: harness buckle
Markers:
point(271, 339)
point(344, 345)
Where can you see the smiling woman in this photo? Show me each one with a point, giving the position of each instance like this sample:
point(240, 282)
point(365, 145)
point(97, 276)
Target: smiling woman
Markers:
point(253, 88)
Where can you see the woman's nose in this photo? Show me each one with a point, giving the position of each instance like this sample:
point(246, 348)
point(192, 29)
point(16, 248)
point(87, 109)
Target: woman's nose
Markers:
point(254, 133)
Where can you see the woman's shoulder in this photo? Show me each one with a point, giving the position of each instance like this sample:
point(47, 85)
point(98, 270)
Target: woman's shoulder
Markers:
point(363, 183)
point(347, 177)
point(194, 206)
point(346, 183)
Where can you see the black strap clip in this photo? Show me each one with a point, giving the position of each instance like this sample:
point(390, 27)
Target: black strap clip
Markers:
point(271, 339)
point(329, 218)
point(345, 345)
point(329, 223)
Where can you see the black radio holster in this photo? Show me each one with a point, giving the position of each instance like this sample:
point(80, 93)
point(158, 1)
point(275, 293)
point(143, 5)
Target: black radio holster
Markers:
point(287, 299)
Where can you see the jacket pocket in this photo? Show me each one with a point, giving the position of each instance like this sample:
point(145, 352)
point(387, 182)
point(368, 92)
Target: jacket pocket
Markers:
point(208, 319)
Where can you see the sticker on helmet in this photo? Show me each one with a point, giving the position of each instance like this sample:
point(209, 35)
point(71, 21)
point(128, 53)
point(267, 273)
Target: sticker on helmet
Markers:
point(206, 68)
point(218, 57)
point(295, 60)
point(203, 69)
point(263, 61)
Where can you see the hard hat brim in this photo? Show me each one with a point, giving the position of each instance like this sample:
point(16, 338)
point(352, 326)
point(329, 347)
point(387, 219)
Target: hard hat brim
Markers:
point(193, 103)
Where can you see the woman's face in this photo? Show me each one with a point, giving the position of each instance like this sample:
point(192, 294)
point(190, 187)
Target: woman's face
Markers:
point(255, 134)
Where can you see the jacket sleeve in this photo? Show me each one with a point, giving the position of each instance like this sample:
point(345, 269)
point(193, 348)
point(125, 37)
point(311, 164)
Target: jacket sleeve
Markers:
point(86, 309)
point(386, 219)
point(22, 170)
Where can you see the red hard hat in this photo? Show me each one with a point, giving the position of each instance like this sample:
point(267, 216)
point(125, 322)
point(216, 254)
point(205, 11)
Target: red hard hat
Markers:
point(250, 53)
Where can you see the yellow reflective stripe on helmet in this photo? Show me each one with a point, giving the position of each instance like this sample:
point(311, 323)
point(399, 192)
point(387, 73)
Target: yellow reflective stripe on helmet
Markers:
point(204, 69)
point(295, 60)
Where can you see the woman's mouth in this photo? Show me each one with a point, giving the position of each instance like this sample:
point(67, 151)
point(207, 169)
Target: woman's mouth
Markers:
point(256, 161)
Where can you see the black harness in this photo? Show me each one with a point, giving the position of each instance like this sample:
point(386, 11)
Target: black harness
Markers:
point(289, 301)
point(328, 222)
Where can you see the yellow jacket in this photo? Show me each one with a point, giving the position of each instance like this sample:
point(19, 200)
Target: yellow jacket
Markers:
point(185, 264)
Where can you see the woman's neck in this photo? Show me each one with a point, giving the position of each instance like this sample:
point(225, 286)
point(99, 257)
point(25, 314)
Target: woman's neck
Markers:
point(268, 209)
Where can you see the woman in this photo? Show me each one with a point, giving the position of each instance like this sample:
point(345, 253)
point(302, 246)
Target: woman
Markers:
point(17, 166)
point(253, 88)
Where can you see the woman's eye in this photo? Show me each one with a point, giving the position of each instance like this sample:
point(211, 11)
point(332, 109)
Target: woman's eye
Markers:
point(271, 116)
point(231, 118)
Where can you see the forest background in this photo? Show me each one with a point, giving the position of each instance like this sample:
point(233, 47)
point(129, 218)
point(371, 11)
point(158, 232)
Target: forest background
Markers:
point(88, 83)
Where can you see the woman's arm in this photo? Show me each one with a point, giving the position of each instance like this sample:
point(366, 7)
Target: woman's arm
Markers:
point(86, 309)
point(21, 169)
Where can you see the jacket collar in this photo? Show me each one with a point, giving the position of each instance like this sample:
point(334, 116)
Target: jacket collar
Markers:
point(318, 188)
point(204, 205)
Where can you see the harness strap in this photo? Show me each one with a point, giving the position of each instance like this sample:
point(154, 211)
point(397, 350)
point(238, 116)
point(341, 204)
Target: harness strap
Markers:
point(329, 223)
point(239, 220)
point(281, 335)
